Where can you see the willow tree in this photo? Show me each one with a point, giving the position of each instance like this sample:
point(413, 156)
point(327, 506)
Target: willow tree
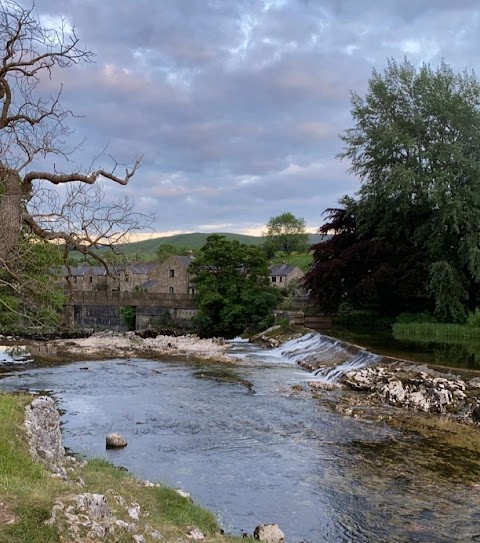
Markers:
point(415, 146)
point(33, 127)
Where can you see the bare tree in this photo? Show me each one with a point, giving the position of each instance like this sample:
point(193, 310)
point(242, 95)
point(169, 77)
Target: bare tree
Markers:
point(45, 205)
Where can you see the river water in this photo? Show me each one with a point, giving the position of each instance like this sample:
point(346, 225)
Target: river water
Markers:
point(253, 450)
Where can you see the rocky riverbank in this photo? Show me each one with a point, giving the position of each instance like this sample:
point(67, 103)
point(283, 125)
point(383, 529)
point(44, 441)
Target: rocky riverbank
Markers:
point(94, 501)
point(382, 381)
point(104, 345)
point(416, 388)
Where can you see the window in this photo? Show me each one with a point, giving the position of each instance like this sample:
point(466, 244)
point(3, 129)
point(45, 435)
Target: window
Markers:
point(191, 290)
point(172, 273)
point(171, 290)
point(281, 279)
point(90, 279)
point(274, 279)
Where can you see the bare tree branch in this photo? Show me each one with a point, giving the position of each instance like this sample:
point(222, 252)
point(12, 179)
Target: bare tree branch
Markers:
point(41, 209)
point(89, 179)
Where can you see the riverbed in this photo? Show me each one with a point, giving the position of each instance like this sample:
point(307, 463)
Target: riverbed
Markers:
point(251, 444)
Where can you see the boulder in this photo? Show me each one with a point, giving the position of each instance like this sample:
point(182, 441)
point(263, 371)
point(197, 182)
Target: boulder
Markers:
point(270, 533)
point(394, 392)
point(42, 422)
point(115, 441)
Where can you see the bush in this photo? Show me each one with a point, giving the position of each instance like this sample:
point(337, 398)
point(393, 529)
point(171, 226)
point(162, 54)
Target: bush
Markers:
point(409, 318)
point(129, 316)
point(473, 319)
point(285, 322)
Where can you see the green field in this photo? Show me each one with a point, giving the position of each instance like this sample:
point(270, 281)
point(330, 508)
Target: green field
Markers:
point(302, 261)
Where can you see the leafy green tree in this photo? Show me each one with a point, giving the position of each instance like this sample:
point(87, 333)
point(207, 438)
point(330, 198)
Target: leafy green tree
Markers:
point(31, 292)
point(166, 250)
point(286, 233)
point(416, 148)
point(233, 290)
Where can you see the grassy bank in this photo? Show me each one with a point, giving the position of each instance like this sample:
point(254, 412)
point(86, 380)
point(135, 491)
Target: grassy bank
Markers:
point(435, 332)
point(28, 492)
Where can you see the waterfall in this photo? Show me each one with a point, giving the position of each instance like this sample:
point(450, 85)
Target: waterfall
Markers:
point(336, 357)
point(330, 375)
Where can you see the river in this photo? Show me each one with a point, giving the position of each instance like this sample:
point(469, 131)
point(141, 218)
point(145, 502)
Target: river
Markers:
point(253, 450)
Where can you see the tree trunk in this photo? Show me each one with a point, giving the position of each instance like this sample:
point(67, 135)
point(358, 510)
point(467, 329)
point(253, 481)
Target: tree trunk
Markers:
point(11, 207)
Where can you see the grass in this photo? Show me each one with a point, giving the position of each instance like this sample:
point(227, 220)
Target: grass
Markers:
point(435, 332)
point(29, 491)
point(303, 261)
point(147, 249)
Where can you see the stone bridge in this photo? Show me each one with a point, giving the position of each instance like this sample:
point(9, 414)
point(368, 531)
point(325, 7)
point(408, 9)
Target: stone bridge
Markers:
point(102, 309)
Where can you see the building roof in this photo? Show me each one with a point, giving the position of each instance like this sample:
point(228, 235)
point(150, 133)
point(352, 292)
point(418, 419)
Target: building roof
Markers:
point(142, 267)
point(185, 260)
point(63, 271)
point(282, 269)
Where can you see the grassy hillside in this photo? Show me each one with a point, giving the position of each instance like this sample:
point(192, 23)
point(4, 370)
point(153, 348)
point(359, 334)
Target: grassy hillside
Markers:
point(192, 241)
point(147, 249)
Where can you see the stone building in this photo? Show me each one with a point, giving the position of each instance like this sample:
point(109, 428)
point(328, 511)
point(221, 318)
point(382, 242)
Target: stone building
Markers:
point(122, 277)
point(172, 276)
point(282, 275)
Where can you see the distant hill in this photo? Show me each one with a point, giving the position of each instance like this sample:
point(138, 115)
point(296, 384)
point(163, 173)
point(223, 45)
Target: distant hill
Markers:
point(147, 249)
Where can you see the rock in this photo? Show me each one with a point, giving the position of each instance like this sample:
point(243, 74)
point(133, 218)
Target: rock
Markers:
point(131, 528)
point(418, 400)
point(476, 414)
point(115, 441)
point(184, 494)
point(393, 392)
point(459, 395)
point(442, 396)
point(94, 506)
point(270, 533)
point(42, 422)
point(364, 379)
point(194, 533)
point(134, 511)
point(138, 539)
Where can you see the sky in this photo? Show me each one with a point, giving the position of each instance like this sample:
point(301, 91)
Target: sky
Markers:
point(237, 105)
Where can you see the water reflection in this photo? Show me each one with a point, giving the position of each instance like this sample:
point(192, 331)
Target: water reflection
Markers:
point(454, 353)
point(14, 354)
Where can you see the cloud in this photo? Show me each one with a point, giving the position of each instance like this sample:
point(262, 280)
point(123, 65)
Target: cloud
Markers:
point(237, 104)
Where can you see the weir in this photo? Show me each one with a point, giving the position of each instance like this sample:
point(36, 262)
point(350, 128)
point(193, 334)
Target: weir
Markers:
point(336, 356)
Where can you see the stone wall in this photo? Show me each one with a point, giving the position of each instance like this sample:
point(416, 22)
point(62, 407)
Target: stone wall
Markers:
point(151, 317)
point(99, 317)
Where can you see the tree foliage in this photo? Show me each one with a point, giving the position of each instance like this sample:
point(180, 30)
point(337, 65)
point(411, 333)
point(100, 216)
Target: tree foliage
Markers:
point(415, 146)
point(166, 250)
point(33, 127)
point(286, 233)
point(363, 271)
point(233, 290)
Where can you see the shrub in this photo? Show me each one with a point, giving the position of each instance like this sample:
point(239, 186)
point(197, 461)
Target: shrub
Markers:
point(473, 319)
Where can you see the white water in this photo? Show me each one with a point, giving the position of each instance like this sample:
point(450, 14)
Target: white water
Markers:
point(356, 362)
point(319, 349)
